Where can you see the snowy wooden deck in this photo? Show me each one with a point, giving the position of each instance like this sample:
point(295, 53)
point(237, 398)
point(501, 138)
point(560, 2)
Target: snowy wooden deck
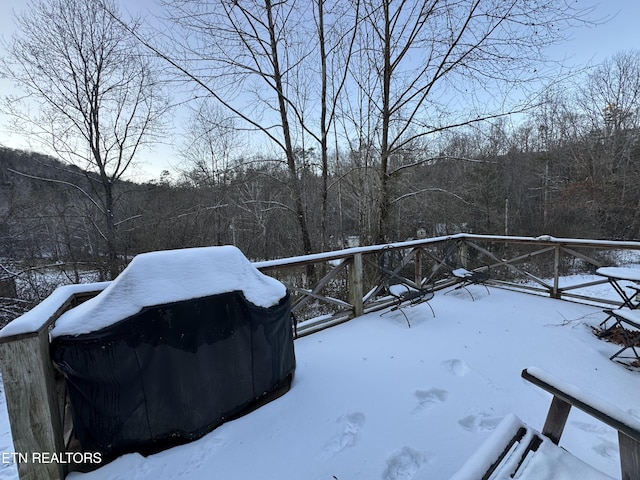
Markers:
point(373, 398)
point(465, 362)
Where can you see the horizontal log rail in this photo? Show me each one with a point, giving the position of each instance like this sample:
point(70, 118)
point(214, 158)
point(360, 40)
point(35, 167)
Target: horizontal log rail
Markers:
point(527, 264)
point(346, 283)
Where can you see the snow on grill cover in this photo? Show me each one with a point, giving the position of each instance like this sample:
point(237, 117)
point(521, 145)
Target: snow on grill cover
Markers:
point(180, 342)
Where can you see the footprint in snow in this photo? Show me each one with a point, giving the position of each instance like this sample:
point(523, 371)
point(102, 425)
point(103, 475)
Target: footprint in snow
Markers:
point(593, 428)
point(607, 449)
point(480, 422)
point(430, 398)
point(608, 445)
point(348, 437)
point(456, 367)
point(404, 464)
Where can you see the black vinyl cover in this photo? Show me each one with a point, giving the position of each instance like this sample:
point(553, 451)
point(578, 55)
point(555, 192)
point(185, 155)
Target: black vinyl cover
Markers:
point(172, 373)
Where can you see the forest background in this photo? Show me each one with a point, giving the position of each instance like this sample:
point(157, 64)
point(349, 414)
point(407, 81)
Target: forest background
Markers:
point(314, 126)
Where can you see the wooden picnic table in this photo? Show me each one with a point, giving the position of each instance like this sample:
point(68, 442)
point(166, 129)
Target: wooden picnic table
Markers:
point(617, 274)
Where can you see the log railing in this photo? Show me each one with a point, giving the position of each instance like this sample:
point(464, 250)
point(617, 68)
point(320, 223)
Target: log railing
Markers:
point(347, 283)
point(327, 288)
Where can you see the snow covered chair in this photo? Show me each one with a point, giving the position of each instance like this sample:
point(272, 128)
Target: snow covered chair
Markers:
point(515, 450)
point(465, 277)
point(404, 291)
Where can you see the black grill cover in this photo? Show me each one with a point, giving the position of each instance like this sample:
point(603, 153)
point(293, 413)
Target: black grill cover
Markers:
point(172, 373)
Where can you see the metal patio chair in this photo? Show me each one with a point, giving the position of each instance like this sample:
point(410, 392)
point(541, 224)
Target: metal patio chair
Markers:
point(405, 292)
point(465, 277)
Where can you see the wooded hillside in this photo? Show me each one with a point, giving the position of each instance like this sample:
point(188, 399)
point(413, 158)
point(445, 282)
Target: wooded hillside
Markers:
point(492, 182)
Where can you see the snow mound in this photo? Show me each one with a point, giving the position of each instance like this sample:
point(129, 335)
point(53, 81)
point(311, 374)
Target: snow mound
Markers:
point(158, 278)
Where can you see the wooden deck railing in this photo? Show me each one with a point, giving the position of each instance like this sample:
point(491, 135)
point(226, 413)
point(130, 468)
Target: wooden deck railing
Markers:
point(347, 282)
point(327, 288)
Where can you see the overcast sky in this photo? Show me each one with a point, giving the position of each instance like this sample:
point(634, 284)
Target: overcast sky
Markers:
point(589, 46)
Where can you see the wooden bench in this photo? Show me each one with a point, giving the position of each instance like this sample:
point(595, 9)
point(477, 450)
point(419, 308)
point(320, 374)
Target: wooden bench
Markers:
point(513, 447)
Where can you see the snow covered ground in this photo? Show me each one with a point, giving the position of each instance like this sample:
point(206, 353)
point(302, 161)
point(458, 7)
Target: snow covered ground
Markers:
point(376, 399)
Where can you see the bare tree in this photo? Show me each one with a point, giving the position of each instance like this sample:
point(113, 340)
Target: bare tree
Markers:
point(610, 102)
point(439, 64)
point(212, 142)
point(96, 96)
point(244, 57)
point(321, 81)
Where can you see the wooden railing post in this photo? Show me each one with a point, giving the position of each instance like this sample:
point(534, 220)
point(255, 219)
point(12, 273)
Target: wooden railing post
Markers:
point(463, 252)
point(356, 288)
point(417, 259)
point(556, 273)
point(32, 403)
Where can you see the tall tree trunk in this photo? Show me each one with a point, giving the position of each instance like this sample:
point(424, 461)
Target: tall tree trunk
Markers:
point(323, 126)
point(384, 200)
point(286, 132)
point(113, 268)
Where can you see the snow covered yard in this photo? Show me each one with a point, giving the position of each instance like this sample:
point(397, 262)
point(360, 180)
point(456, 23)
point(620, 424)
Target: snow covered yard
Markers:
point(375, 399)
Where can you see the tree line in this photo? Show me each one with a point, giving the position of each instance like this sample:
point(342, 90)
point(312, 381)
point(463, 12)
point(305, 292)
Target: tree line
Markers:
point(564, 169)
point(313, 125)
